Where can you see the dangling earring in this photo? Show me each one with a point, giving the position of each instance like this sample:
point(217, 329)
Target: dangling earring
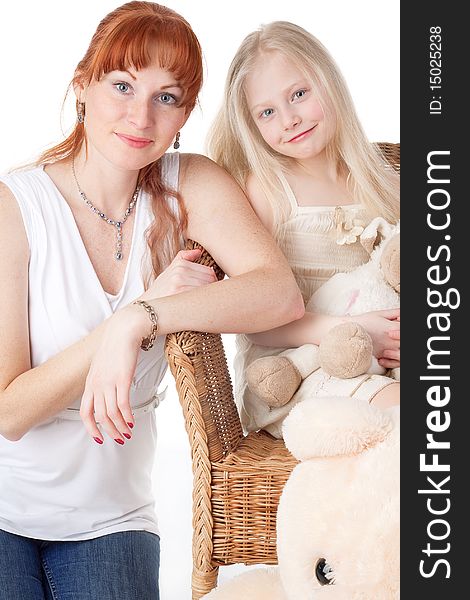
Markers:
point(176, 145)
point(80, 112)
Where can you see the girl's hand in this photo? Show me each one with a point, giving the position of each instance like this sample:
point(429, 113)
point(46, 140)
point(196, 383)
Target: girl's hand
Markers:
point(106, 398)
point(391, 358)
point(384, 328)
point(181, 275)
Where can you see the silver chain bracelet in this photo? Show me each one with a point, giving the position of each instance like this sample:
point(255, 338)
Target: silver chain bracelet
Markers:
point(148, 342)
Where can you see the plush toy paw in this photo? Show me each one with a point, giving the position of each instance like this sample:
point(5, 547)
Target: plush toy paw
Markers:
point(274, 379)
point(346, 351)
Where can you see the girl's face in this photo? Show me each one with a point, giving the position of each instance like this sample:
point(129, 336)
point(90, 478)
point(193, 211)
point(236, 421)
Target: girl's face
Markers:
point(284, 108)
point(132, 117)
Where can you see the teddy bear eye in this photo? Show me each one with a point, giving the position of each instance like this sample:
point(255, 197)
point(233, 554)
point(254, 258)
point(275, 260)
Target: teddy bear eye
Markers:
point(324, 573)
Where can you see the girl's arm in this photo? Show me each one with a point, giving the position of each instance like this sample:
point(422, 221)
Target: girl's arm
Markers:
point(260, 293)
point(383, 326)
point(308, 330)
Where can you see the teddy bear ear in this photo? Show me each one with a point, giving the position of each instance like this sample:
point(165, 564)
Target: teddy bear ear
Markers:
point(334, 426)
point(377, 229)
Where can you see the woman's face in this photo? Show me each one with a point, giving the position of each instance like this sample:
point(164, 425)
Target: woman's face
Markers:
point(132, 117)
point(285, 109)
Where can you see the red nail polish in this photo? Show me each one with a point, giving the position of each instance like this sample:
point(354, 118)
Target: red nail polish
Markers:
point(118, 441)
point(126, 435)
point(97, 440)
point(130, 425)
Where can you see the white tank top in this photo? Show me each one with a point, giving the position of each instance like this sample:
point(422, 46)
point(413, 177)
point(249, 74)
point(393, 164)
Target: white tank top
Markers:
point(318, 241)
point(56, 483)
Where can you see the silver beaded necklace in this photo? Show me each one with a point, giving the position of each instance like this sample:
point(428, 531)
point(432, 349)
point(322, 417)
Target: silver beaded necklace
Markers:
point(117, 224)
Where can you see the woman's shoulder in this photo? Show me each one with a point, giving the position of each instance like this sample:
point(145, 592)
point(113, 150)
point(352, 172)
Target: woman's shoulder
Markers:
point(200, 172)
point(11, 213)
point(21, 182)
point(6, 195)
point(197, 164)
point(25, 174)
point(26, 192)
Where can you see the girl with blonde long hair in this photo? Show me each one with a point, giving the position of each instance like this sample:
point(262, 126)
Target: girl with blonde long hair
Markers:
point(289, 134)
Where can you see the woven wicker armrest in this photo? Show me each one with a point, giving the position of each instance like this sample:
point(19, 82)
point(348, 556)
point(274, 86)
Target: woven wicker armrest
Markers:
point(198, 364)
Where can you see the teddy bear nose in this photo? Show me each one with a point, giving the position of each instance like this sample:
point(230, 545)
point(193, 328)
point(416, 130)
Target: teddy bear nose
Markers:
point(324, 573)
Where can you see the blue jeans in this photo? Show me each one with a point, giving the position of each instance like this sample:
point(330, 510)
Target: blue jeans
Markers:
point(118, 566)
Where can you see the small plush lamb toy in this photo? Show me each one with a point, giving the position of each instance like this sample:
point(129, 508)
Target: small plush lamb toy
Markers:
point(338, 516)
point(346, 351)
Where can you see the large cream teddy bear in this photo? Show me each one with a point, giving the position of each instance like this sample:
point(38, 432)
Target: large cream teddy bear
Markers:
point(338, 516)
point(346, 351)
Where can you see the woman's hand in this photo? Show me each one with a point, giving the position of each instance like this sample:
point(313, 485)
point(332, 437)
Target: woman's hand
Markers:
point(384, 328)
point(106, 398)
point(181, 275)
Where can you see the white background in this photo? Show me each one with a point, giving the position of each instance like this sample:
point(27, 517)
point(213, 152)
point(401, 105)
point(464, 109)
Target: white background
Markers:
point(40, 44)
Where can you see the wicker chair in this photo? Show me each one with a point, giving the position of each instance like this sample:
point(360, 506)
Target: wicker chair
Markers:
point(238, 479)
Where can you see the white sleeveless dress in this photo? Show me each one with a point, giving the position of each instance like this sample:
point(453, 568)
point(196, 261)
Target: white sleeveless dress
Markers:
point(318, 241)
point(56, 483)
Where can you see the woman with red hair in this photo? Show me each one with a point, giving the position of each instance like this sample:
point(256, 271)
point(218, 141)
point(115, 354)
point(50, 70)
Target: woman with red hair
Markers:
point(92, 253)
